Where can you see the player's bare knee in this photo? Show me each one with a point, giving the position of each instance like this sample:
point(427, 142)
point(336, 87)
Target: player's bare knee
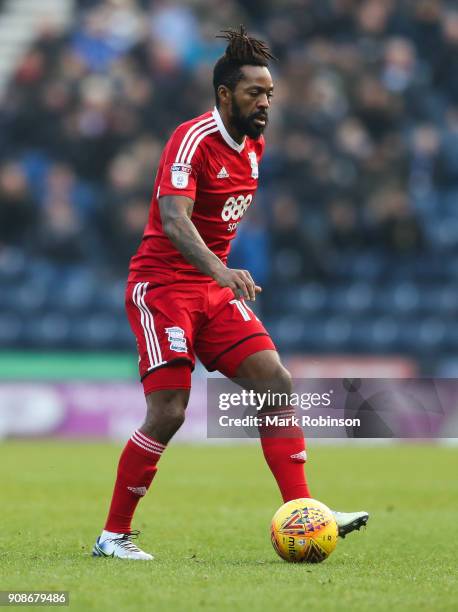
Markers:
point(283, 380)
point(279, 381)
point(174, 413)
point(166, 410)
point(259, 366)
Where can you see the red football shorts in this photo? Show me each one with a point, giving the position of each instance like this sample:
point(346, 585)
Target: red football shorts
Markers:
point(175, 323)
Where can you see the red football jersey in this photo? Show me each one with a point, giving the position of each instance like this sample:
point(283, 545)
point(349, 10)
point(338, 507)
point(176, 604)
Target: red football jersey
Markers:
point(203, 162)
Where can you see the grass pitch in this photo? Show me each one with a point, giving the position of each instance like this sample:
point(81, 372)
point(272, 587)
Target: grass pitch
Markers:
point(206, 519)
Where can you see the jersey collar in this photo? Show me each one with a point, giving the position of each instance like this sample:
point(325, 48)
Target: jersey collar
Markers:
point(225, 134)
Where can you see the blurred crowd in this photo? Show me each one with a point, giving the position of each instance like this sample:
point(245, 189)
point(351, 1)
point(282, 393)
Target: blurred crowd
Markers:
point(362, 146)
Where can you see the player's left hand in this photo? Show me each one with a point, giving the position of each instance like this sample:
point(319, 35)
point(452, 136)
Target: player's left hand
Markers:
point(240, 281)
point(240, 294)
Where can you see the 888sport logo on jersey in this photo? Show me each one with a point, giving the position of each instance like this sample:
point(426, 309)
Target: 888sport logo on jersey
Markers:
point(234, 208)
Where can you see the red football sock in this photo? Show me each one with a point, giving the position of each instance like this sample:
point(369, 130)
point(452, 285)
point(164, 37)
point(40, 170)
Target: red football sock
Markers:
point(136, 470)
point(286, 456)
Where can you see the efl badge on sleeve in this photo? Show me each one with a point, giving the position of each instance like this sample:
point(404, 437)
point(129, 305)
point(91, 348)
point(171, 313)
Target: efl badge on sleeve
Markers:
point(180, 175)
point(254, 164)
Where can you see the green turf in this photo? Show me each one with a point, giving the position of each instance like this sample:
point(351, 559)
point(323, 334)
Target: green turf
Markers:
point(206, 520)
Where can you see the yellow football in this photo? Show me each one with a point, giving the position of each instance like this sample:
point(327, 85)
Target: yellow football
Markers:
point(304, 530)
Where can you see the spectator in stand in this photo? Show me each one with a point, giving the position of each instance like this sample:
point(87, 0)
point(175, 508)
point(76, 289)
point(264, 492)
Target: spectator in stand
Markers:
point(18, 212)
point(366, 97)
point(294, 253)
point(393, 226)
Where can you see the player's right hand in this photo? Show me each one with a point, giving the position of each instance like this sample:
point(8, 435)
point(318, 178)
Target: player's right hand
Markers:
point(240, 281)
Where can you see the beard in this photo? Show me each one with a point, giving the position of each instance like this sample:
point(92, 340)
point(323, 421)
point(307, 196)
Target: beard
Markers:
point(246, 124)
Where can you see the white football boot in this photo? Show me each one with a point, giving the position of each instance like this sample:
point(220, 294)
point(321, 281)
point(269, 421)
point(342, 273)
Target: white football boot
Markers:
point(119, 545)
point(349, 521)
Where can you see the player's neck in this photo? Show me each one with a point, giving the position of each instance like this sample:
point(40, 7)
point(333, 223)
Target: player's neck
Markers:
point(232, 131)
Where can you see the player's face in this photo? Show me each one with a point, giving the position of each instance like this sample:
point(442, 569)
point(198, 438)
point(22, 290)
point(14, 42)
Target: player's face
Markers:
point(251, 101)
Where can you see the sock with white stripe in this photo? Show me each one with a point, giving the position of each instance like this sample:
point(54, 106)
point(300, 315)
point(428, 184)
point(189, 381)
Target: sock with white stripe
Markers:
point(136, 470)
point(284, 451)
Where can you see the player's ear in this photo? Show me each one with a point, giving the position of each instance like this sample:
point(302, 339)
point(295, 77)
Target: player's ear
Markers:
point(224, 94)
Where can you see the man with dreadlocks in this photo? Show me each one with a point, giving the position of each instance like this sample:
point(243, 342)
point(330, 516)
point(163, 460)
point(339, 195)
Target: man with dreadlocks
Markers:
point(183, 301)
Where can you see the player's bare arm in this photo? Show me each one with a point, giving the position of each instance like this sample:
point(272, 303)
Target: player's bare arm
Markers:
point(176, 214)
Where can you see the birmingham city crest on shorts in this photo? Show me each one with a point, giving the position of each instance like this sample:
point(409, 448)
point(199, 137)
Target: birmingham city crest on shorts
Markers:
point(180, 175)
point(177, 339)
point(254, 164)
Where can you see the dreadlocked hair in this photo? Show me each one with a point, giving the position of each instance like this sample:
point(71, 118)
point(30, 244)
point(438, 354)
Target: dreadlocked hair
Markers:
point(242, 50)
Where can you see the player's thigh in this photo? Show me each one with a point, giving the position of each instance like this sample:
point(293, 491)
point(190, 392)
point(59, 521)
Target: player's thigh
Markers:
point(163, 320)
point(231, 334)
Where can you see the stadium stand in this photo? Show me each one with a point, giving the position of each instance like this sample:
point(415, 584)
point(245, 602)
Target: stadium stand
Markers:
point(354, 231)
